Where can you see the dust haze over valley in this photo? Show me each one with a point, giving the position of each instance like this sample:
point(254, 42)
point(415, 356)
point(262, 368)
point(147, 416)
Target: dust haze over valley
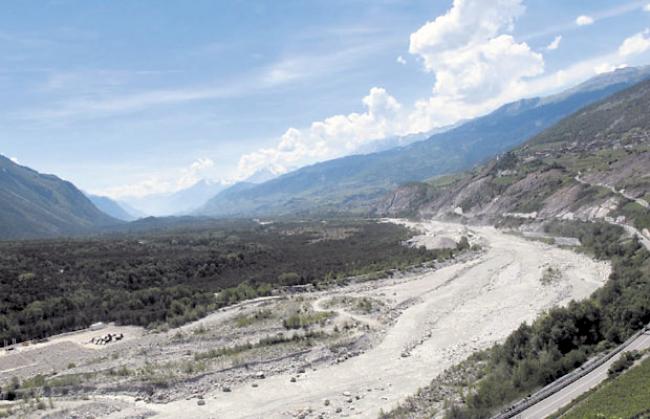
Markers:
point(474, 242)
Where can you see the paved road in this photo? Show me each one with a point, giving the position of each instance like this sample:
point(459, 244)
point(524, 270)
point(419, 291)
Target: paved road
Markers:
point(635, 232)
point(562, 398)
point(639, 201)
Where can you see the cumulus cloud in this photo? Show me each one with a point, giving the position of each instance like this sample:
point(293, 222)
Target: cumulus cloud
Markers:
point(194, 173)
point(647, 7)
point(584, 20)
point(401, 60)
point(332, 137)
point(608, 68)
point(634, 45)
point(476, 64)
point(160, 184)
point(555, 44)
point(467, 23)
point(475, 61)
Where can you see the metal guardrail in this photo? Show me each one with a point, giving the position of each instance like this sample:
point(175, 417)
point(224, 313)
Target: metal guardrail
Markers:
point(564, 381)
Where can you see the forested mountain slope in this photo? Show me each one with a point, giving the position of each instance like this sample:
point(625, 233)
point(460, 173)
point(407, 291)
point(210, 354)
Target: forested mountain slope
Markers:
point(37, 205)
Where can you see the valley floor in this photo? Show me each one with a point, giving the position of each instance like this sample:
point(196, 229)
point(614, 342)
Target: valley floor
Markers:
point(422, 324)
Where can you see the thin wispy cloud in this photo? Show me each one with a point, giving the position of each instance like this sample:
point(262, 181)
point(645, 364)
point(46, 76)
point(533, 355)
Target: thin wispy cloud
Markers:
point(97, 102)
point(555, 44)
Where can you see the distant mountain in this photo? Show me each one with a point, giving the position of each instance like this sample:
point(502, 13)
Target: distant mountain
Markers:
point(261, 176)
point(34, 205)
point(178, 203)
point(355, 183)
point(112, 208)
point(225, 202)
point(403, 140)
point(592, 165)
point(137, 214)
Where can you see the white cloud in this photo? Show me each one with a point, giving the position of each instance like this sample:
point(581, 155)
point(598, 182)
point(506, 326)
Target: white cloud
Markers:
point(555, 44)
point(96, 101)
point(194, 173)
point(330, 138)
point(647, 7)
point(475, 63)
point(158, 184)
point(608, 68)
point(477, 66)
point(584, 20)
point(401, 60)
point(468, 22)
point(634, 45)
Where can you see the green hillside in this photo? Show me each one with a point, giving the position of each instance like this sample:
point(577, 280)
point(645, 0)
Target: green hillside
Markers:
point(626, 396)
point(37, 205)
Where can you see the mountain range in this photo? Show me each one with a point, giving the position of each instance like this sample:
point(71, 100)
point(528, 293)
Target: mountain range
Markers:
point(409, 179)
point(112, 208)
point(34, 205)
point(355, 183)
point(592, 165)
point(180, 202)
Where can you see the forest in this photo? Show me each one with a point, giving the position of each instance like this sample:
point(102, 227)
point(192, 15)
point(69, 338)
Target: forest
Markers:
point(172, 276)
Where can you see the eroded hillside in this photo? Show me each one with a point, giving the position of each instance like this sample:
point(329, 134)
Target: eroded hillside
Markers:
point(592, 165)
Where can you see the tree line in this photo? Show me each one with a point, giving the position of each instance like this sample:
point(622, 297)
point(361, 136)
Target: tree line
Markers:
point(172, 277)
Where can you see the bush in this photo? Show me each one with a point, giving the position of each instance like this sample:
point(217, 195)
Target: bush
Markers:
point(626, 360)
point(298, 321)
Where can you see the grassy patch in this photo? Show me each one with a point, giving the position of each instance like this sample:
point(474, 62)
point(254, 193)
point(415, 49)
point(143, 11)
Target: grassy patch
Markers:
point(363, 305)
point(624, 396)
point(264, 342)
point(306, 320)
point(243, 320)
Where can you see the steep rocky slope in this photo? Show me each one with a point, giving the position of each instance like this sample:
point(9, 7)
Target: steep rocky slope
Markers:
point(593, 164)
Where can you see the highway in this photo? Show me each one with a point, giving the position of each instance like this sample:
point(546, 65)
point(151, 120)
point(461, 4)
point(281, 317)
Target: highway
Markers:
point(563, 397)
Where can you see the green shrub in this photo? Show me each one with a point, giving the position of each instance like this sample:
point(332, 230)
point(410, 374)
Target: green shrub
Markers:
point(626, 360)
point(303, 321)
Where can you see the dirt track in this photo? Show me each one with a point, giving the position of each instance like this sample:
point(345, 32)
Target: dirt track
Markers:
point(447, 314)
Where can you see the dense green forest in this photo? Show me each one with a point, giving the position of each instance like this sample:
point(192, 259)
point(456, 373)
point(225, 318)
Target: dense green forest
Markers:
point(563, 339)
point(171, 276)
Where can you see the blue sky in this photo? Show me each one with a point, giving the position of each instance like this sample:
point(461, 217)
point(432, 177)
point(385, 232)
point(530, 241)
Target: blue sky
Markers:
point(128, 98)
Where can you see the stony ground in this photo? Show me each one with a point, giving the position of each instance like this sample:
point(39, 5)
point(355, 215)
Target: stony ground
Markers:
point(346, 351)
